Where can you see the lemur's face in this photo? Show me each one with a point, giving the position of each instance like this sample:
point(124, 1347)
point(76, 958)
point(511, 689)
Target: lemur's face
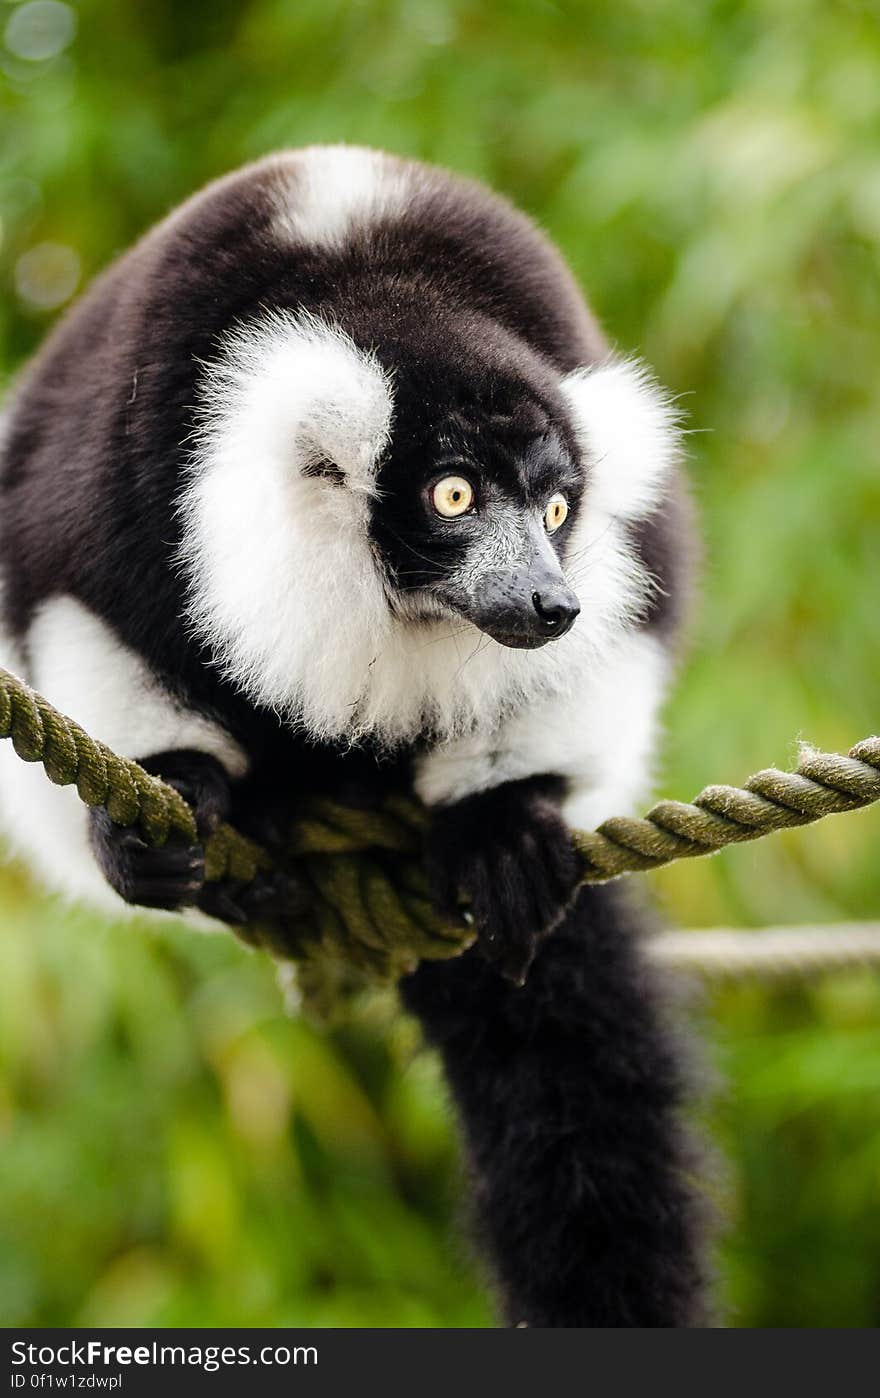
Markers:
point(473, 515)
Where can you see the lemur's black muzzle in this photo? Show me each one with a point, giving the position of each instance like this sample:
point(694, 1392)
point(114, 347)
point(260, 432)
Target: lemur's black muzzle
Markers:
point(528, 606)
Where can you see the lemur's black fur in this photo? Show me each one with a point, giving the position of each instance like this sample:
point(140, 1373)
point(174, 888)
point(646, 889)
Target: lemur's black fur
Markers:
point(568, 1093)
point(567, 1083)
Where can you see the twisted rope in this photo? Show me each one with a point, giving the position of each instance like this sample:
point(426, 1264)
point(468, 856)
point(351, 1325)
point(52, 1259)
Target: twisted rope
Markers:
point(368, 908)
point(776, 952)
point(131, 796)
point(823, 784)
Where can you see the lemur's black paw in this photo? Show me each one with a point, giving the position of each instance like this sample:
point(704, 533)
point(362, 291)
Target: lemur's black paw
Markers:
point(172, 877)
point(201, 781)
point(508, 853)
point(271, 897)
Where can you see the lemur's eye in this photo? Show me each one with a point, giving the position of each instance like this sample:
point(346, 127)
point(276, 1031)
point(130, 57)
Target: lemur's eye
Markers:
point(453, 496)
point(556, 513)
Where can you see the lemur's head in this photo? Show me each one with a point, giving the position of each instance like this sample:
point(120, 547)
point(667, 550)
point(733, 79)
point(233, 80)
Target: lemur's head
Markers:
point(477, 493)
point(353, 513)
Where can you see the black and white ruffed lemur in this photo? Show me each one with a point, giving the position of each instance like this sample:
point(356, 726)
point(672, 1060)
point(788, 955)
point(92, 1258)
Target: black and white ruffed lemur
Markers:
point(331, 484)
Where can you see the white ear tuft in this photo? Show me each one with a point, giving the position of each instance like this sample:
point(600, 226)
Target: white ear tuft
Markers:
point(300, 390)
point(278, 560)
point(627, 427)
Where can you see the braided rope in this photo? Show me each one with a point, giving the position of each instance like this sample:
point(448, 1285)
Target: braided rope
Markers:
point(369, 909)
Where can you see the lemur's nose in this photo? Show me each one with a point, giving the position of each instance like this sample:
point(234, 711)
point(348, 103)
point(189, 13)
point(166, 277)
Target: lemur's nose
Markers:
point(557, 608)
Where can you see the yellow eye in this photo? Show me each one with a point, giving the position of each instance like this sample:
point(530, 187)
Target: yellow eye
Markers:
point(453, 496)
point(556, 513)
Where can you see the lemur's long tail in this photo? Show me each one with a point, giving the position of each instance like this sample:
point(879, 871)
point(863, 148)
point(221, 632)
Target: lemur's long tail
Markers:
point(569, 1092)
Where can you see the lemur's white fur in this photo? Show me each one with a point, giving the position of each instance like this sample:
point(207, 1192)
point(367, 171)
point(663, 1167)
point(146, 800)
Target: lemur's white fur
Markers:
point(95, 679)
point(75, 658)
point(325, 191)
point(628, 428)
point(601, 738)
point(283, 582)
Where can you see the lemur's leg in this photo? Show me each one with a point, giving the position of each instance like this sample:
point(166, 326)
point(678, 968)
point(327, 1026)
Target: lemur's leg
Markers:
point(568, 1091)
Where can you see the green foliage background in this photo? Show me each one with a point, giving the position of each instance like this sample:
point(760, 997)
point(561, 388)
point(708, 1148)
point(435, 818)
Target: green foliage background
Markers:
point(173, 1150)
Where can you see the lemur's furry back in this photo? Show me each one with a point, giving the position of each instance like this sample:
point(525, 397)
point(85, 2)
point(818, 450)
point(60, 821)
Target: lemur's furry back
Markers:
point(331, 483)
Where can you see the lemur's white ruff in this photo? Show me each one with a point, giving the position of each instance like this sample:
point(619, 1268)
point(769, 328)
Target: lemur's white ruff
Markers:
point(330, 654)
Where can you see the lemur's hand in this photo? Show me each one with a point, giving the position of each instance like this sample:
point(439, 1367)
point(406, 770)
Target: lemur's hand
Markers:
point(172, 877)
point(506, 851)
